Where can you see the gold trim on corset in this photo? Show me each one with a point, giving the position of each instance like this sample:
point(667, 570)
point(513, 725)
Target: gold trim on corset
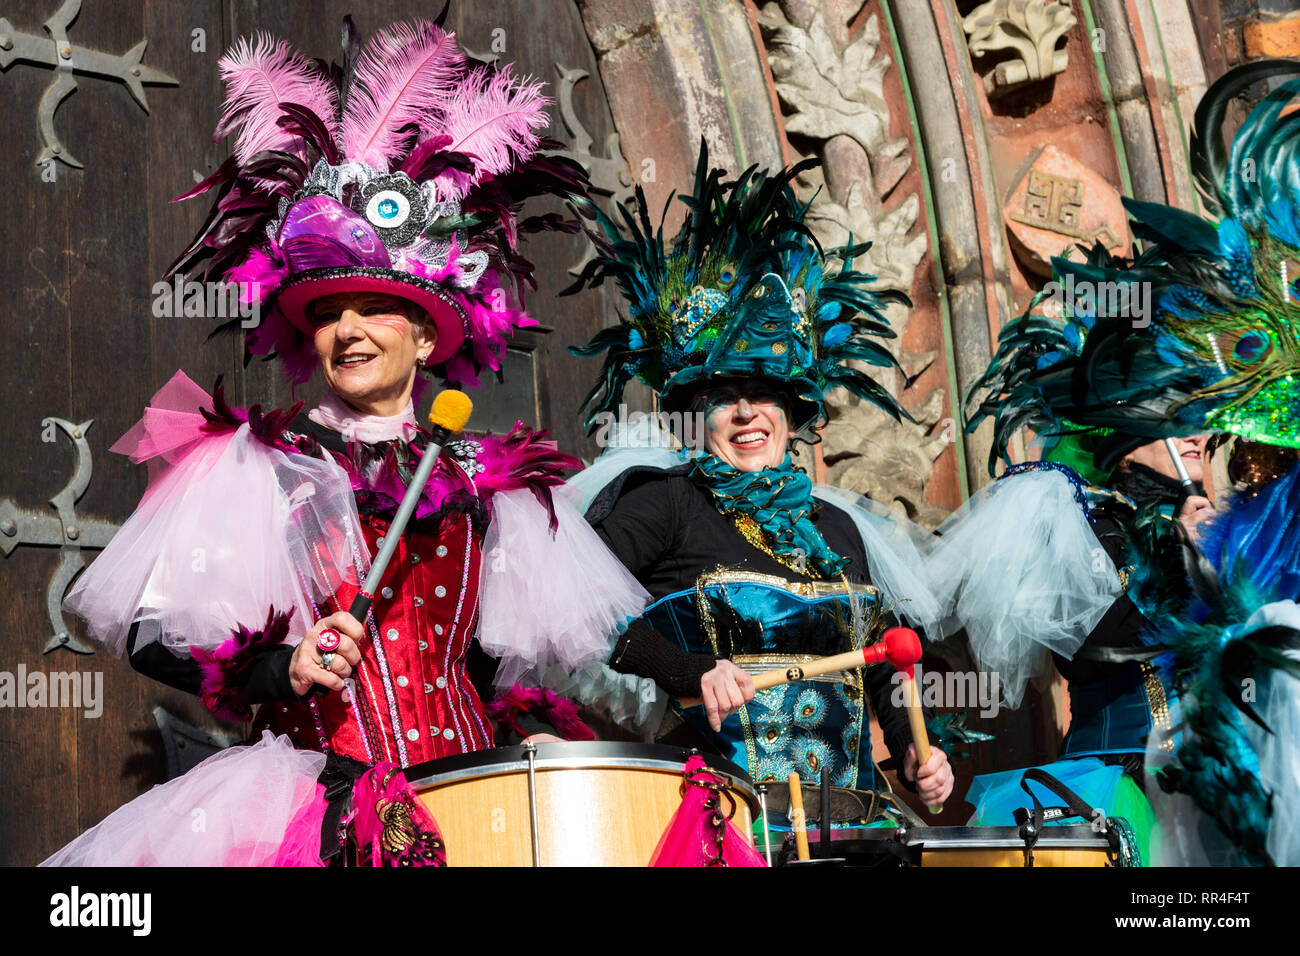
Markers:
point(1157, 703)
point(757, 538)
point(756, 663)
point(804, 589)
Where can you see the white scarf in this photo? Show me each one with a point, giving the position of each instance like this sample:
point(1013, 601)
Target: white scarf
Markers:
point(353, 425)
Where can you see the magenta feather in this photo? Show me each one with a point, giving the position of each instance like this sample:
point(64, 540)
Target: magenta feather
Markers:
point(560, 712)
point(382, 798)
point(260, 77)
point(406, 75)
point(496, 119)
point(224, 669)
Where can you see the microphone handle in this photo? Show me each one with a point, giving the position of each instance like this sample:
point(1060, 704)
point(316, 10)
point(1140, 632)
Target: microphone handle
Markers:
point(1184, 479)
point(366, 596)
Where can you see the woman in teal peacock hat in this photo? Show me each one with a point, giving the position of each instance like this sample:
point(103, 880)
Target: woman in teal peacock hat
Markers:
point(1219, 353)
point(742, 325)
point(1040, 567)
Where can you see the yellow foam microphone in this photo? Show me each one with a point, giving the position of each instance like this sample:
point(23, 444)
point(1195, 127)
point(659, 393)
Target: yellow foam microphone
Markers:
point(450, 412)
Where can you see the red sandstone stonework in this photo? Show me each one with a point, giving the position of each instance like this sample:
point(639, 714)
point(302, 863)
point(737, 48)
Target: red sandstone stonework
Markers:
point(1273, 37)
point(1057, 204)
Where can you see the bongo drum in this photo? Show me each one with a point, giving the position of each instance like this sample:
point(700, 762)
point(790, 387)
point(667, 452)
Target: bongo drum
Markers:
point(565, 804)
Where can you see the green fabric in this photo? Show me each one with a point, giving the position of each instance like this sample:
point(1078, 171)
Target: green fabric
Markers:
point(1076, 453)
point(1130, 803)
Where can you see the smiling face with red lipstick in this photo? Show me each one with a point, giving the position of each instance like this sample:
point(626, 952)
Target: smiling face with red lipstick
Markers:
point(1156, 457)
point(369, 346)
point(746, 422)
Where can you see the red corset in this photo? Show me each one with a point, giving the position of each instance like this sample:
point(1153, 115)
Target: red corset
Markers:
point(411, 699)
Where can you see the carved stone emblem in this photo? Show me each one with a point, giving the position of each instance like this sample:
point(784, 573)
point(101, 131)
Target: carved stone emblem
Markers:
point(1057, 204)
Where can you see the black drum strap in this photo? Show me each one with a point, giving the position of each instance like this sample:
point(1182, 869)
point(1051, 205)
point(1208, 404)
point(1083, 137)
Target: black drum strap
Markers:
point(337, 777)
point(1031, 822)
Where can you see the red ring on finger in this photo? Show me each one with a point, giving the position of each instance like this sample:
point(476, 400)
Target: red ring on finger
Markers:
point(328, 640)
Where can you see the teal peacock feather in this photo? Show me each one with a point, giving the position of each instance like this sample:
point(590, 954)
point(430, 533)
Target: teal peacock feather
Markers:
point(1201, 332)
point(743, 290)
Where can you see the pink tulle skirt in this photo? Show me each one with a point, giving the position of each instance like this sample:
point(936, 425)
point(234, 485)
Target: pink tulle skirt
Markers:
point(258, 805)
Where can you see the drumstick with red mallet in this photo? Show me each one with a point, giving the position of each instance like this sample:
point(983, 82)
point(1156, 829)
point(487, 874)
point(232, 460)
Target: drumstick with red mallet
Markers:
point(899, 646)
point(906, 656)
point(894, 646)
point(451, 410)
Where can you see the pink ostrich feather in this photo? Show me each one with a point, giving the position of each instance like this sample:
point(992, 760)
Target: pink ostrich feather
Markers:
point(406, 74)
point(492, 324)
point(262, 75)
point(496, 120)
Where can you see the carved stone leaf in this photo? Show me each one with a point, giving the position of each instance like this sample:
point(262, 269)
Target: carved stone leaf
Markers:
point(1031, 28)
point(828, 93)
point(893, 256)
point(885, 460)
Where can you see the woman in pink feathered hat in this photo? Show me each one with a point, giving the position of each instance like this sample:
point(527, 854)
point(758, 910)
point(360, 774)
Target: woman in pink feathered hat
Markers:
point(370, 213)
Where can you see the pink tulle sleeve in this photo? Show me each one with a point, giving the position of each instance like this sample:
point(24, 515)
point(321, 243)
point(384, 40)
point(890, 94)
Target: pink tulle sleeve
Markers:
point(229, 529)
point(172, 422)
point(550, 600)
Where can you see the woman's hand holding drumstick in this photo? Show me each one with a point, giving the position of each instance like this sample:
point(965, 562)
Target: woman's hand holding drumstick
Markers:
point(727, 687)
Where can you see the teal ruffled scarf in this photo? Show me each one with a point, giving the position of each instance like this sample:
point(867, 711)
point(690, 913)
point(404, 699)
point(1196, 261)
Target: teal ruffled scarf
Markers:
point(779, 500)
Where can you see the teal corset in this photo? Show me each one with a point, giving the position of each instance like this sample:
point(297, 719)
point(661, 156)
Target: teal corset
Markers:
point(1115, 716)
point(761, 623)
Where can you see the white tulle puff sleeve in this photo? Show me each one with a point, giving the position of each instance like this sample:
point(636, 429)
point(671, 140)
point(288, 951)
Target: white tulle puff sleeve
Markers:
point(895, 549)
point(1019, 566)
point(550, 600)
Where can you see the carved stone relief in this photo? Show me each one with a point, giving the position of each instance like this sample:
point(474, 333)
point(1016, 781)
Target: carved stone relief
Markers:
point(1058, 204)
point(1028, 28)
point(831, 91)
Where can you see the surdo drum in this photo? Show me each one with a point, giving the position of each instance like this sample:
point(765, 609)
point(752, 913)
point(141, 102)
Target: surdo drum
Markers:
point(565, 804)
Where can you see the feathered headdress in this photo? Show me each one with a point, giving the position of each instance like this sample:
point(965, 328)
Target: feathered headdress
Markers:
point(402, 171)
point(1200, 333)
point(1029, 381)
point(743, 291)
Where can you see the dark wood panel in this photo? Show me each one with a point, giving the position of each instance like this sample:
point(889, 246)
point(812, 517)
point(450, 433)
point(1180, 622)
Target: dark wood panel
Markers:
point(36, 261)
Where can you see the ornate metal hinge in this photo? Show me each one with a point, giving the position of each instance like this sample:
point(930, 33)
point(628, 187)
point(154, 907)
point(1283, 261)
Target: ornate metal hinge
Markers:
point(66, 532)
point(609, 174)
point(67, 60)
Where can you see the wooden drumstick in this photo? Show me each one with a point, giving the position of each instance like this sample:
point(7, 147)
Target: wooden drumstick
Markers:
point(797, 820)
point(916, 718)
point(897, 649)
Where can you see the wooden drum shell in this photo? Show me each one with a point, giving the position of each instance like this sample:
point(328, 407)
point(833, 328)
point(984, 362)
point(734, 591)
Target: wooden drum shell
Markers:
point(598, 804)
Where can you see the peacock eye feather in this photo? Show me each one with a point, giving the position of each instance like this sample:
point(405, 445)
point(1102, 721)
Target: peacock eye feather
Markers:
point(1251, 347)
